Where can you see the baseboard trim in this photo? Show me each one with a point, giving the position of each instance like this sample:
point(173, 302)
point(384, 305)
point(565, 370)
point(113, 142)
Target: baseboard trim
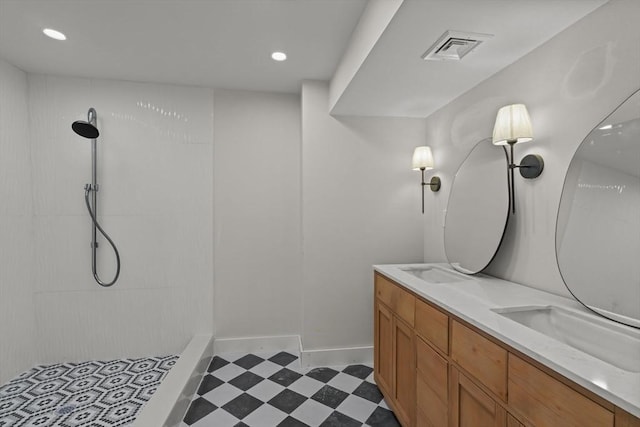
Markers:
point(335, 356)
point(257, 344)
point(171, 400)
point(308, 358)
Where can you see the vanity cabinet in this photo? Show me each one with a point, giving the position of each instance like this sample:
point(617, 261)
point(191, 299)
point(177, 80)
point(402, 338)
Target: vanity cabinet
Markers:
point(436, 370)
point(545, 401)
point(383, 345)
point(513, 422)
point(433, 326)
point(432, 387)
point(482, 358)
point(394, 348)
point(471, 406)
point(404, 365)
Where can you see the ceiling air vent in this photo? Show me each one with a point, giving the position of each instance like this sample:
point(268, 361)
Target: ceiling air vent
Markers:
point(453, 45)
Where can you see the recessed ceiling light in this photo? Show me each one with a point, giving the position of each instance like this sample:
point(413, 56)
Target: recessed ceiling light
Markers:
point(278, 56)
point(57, 35)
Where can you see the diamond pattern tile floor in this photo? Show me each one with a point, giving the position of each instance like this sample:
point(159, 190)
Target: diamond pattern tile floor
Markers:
point(272, 390)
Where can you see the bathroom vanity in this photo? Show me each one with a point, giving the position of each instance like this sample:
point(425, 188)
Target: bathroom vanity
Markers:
point(458, 350)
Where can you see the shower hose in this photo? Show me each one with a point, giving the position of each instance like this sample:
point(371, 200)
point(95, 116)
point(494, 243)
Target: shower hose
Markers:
point(113, 245)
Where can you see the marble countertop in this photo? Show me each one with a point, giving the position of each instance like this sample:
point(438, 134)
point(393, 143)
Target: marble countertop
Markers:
point(472, 299)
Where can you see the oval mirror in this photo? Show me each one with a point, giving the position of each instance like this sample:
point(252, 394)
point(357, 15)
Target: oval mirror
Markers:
point(478, 209)
point(598, 227)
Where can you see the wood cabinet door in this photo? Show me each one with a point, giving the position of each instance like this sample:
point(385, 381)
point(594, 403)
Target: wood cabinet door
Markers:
point(625, 419)
point(432, 388)
point(383, 345)
point(404, 384)
point(513, 422)
point(470, 406)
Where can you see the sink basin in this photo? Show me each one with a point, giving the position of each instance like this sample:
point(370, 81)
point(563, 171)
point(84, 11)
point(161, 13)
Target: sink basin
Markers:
point(601, 338)
point(433, 274)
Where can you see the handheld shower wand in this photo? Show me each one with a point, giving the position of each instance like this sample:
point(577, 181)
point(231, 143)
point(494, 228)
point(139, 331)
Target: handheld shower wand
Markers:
point(90, 131)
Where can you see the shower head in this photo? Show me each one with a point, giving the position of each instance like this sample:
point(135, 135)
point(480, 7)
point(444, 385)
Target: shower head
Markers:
point(85, 129)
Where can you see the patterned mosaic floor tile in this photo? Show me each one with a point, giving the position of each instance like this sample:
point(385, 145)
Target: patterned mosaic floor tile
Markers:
point(96, 394)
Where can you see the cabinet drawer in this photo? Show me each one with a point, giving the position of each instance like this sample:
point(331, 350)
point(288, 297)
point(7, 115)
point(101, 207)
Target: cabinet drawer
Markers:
point(401, 302)
point(433, 325)
point(480, 357)
point(545, 401)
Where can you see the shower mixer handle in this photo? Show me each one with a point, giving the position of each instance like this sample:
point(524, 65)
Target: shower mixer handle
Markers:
point(87, 189)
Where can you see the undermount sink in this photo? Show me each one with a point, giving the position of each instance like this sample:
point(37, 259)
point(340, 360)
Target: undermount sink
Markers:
point(434, 274)
point(601, 338)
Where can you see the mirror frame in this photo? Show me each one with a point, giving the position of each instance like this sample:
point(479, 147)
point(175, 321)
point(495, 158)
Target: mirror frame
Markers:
point(596, 310)
point(494, 251)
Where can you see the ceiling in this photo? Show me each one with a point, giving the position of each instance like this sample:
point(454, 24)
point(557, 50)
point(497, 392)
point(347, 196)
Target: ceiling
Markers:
point(395, 81)
point(227, 44)
point(216, 43)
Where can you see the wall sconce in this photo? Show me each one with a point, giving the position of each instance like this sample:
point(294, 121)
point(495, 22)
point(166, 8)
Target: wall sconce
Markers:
point(423, 160)
point(513, 125)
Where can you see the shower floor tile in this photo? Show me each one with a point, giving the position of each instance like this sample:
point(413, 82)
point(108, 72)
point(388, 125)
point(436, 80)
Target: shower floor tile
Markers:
point(272, 390)
point(96, 394)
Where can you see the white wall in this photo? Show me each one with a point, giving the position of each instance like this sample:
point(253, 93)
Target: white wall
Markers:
point(17, 321)
point(301, 214)
point(258, 253)
point(155, 200)
point(569, 85)
point(360, 206)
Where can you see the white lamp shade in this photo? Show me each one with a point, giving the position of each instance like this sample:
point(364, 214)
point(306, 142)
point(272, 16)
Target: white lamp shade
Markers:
point(513, 125)
point(422, 158)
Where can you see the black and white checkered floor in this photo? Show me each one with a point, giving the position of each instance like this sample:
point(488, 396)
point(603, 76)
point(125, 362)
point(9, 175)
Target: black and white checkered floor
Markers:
point(96, 394)
point(269, 390)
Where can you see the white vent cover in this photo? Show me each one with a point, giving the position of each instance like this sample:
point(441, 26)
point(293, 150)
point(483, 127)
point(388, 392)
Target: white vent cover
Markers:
point(453, 45)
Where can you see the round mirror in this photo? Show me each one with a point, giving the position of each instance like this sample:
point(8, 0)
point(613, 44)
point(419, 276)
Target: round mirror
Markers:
point(478, 209)
point(598, 227)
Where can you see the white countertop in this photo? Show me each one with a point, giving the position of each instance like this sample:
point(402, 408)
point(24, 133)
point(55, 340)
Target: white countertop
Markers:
point(472, 299)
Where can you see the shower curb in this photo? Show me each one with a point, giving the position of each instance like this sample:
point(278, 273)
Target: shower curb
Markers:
point(171, 400)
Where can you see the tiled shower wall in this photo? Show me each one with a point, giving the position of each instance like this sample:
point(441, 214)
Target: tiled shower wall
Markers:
point(155, 200)
point(17, 321)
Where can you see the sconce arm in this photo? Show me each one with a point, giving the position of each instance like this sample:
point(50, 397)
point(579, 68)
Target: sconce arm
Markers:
point(531, 166)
